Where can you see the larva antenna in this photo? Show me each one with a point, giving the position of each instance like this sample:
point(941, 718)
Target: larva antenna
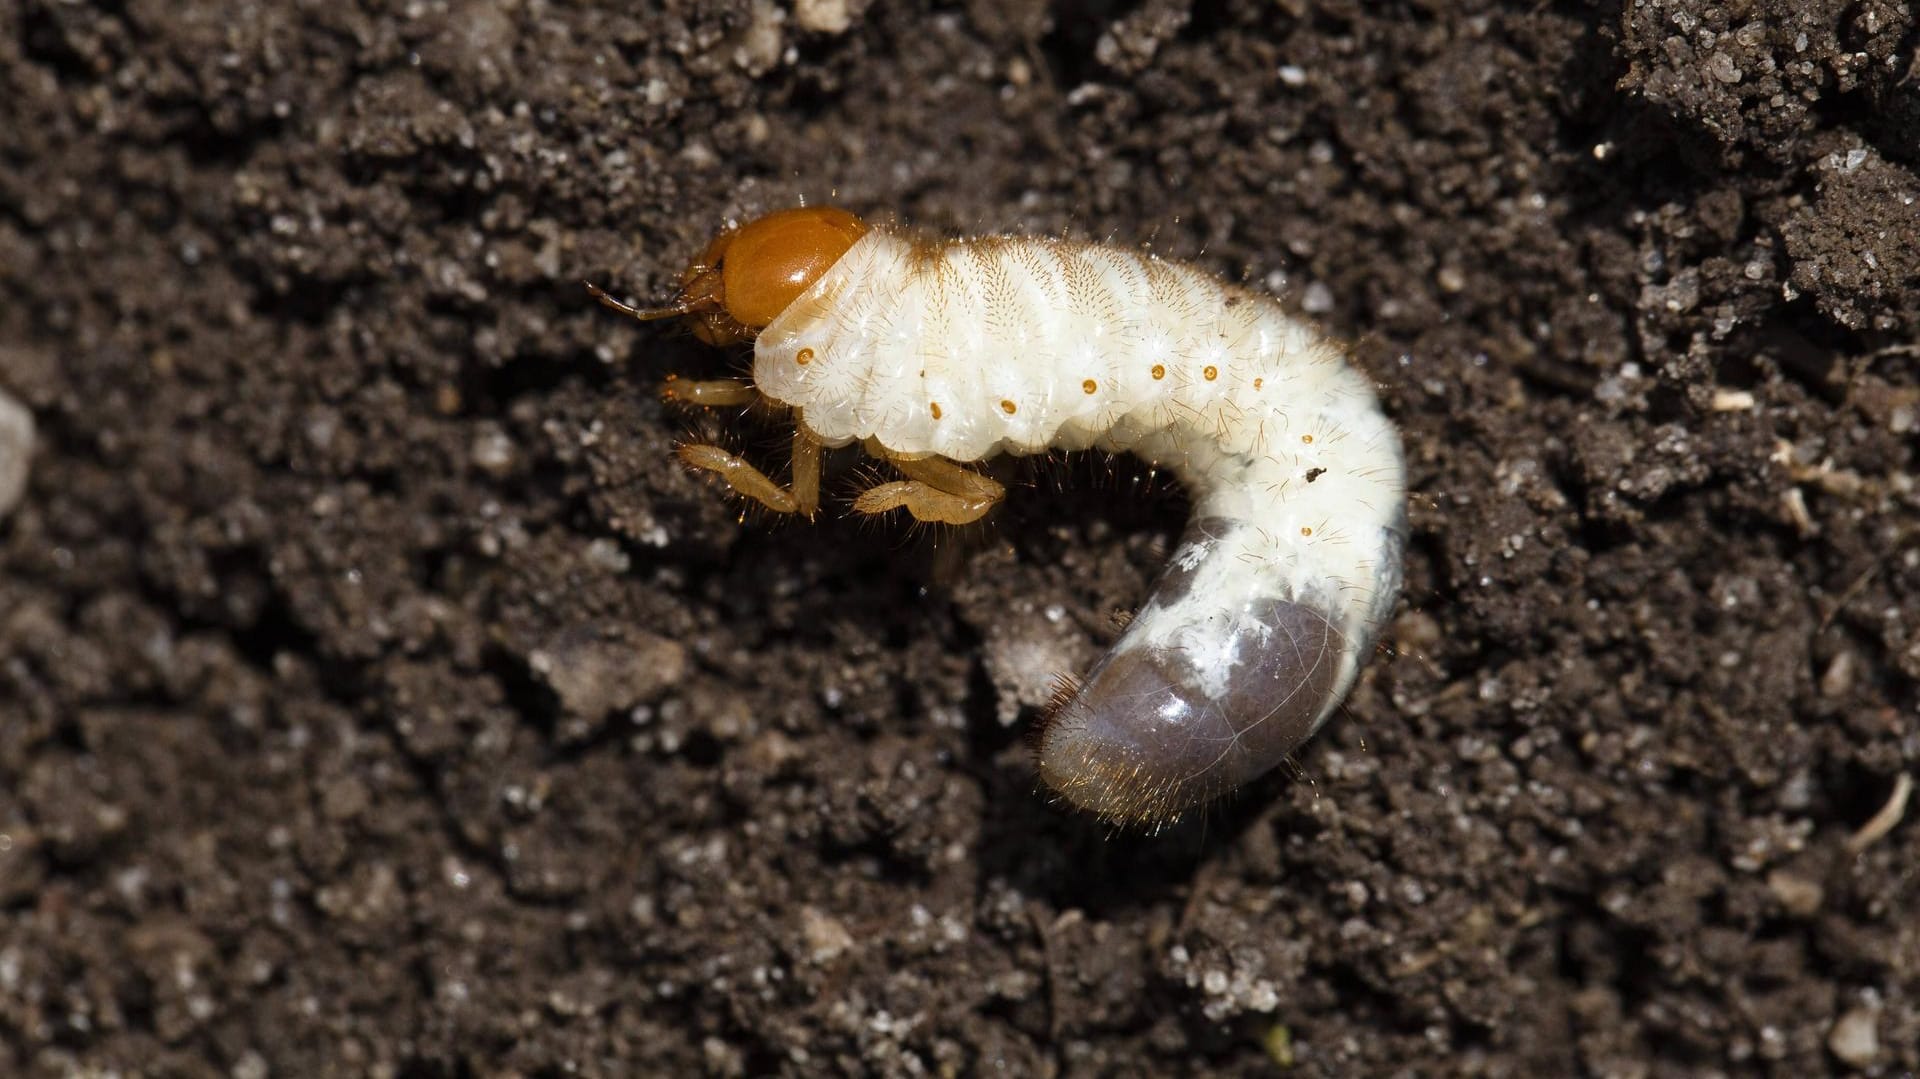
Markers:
point(650, 314)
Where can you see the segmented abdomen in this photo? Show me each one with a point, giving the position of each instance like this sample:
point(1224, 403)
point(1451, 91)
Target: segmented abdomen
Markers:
point(968, 348)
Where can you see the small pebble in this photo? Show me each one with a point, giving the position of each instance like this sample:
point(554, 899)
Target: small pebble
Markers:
point(826, 938)
point(1855, 1037)
point(823, 16)
point(1799, 896)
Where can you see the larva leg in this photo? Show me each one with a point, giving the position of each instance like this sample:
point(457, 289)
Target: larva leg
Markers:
point(802, 498)
point(711, 393)
point(935, 489)
point(945, 476)
point(806, 472)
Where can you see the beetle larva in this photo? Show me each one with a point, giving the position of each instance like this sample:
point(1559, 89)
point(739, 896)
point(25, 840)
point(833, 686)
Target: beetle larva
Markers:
point(934, 353)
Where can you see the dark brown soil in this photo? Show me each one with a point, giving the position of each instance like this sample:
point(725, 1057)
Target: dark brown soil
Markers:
point(377, 697)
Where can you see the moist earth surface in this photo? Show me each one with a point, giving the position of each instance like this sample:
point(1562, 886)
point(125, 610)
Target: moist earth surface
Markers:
point(377, 696)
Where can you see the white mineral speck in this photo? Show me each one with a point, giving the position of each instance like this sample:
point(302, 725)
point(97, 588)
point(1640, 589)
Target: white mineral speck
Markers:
point(607, 555)
point(758, 47)
point(823, 16)
point(492, 451)
point(825, 936)
point(1317, 299)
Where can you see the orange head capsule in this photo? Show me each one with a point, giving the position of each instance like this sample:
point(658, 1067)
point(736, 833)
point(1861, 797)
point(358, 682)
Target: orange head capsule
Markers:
point(748, 275)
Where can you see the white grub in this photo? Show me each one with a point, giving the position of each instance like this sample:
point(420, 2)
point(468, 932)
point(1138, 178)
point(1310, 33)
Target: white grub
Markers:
point(967, 349)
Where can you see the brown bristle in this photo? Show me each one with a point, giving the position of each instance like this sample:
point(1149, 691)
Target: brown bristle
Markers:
point(1066, 686)
point(1125, 797)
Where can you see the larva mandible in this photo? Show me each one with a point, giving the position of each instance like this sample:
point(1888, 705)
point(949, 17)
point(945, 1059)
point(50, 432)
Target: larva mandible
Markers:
point(934, 353)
